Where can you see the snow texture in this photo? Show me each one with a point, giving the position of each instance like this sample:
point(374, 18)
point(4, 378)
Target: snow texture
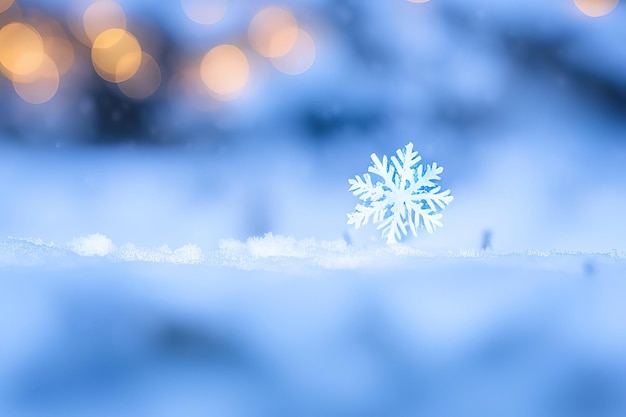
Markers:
point(280, 253)
point(21, 251)
point(408, 197)
point(92, 245)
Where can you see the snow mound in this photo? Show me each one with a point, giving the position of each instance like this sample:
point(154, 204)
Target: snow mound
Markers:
point(92, 245)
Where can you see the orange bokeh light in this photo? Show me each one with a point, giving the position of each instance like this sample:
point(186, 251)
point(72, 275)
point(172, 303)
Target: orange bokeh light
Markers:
point(300, 58)
point(596, 8)
point(61, 51)
point(103, 15)
point(225, 71)
point(5, 4)
point(116, 55)
point(55, 41)
point(273, 31)
point(39, 86)
point(145, 82)
point(21, 48)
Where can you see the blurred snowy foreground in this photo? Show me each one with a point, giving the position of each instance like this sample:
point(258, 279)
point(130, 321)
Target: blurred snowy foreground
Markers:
point(98, 318)
point(276, 326)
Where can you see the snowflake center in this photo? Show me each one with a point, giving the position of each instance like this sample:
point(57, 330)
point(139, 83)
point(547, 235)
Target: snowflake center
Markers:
point(403, 194)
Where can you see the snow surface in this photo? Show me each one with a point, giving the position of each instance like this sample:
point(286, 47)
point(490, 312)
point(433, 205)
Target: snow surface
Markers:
point(279, 326)
point(22, 251)
point(272, 253)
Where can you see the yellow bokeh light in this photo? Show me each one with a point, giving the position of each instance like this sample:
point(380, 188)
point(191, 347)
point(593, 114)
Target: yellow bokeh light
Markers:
point(145, 82)
point(103, 15)
point(273, 31)
point(225, 71)
point(5, 4)
point(300, 58)
point(40, 86)
point(21, 48)
point(116, 55)
point(205, 12)
point(596, 8)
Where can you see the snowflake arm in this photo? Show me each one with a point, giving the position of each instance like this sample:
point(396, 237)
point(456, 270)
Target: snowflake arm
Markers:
point(405, 164)
point(382, 169)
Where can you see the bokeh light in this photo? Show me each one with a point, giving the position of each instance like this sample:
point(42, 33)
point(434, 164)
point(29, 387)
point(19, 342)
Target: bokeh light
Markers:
point(5, 4)
point(39, 86)
point(45, 25)
point(11, 14)
point(145, 82)
point(225, 71)
point(21, 48)
point(596, 8)
point(273, 31)
point(103, 15)
point(205, 12)
point(116, 55)
point(75, 24)
point(300, 58)
point(55, 41)
point(418, 1)
point(61, 51)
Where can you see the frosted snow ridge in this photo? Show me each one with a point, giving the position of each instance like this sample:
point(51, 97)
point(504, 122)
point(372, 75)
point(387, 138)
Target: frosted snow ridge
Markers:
point(269, 253)
point(275, 252)
point(21, 251)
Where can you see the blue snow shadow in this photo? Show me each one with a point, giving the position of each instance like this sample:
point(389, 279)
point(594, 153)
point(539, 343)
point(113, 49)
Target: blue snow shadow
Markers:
point(459, 337)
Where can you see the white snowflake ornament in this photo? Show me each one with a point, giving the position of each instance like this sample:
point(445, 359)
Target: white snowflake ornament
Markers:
point(407, 198)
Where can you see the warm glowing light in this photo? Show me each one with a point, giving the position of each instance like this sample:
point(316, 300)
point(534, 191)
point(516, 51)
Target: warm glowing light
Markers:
point(116, 55)
point(205, 12)
point(21, 48)
point(75, 23)
point(40, 86)
point(46, 26)
point(61, 51)
point(12, 14)
point(103, 15)
point(273, 31)
point(55, 42)
point(300, 58)
point(225, 71)
point(5, 4)
point(596, 8)
point(145, 82)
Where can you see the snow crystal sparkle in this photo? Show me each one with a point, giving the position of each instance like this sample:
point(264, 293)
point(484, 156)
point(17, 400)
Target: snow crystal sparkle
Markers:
point(407, 198)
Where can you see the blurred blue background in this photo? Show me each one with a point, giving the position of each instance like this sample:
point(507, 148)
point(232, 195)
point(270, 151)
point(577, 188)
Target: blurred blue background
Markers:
point(166, 130)
point(193, 121)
